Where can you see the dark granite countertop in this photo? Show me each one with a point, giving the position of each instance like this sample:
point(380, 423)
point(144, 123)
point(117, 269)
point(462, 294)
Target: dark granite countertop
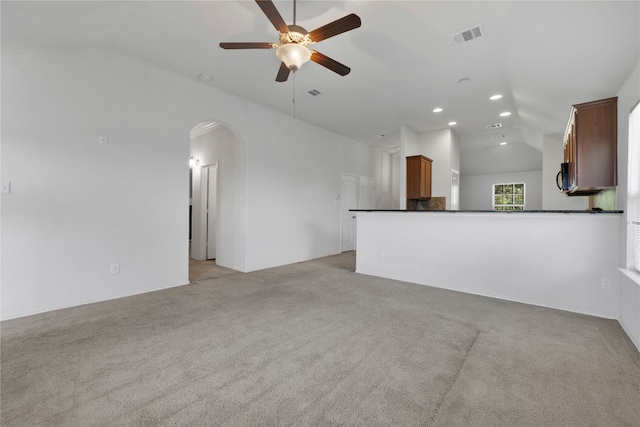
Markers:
point(490, 211)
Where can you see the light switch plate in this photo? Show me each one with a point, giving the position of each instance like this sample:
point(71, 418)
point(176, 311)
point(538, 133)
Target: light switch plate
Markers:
point(5, 187)
point(115, 269)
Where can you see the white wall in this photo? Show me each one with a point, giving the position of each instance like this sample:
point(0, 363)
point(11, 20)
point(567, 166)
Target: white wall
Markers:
point(630, 305)
point(628, 96)
point(552, 197)
point(408, 147)
point(385, 169)
point(510, 158)
point(455, 165)
point(455, 152)
point(548, 259)
point(76, 206)
point(294, 181)
point(436, 145)
point(476, 190)
point(439, 146)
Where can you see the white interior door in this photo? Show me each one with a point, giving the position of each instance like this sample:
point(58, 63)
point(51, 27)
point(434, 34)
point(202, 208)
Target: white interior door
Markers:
point(366, 193)
point(211, 210)
point(348, 222)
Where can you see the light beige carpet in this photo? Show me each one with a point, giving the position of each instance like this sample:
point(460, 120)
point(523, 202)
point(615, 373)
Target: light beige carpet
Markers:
point(315, 344)
point(207, 269)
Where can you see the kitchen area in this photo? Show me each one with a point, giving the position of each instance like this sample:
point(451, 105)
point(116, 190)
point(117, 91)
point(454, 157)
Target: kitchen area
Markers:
point(560, 248)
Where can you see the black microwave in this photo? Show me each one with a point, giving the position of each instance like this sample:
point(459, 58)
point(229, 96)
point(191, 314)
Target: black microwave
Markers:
point(564, 175)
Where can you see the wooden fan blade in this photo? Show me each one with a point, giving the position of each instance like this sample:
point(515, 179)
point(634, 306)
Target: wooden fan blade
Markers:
point(245, 45)
point(336, 27)
point(283, 73)
point(329, 63)
point(274, 16)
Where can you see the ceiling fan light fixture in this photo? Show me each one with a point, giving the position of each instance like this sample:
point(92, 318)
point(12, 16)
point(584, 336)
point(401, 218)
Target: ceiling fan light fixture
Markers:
point(292, 49)
point(293, 55)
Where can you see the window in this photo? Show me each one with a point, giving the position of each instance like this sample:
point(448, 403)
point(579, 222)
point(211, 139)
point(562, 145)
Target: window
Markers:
point(508, 197)
point(633, 191)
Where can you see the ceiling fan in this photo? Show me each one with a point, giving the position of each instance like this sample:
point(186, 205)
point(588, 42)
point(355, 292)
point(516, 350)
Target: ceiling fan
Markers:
point(293, 50)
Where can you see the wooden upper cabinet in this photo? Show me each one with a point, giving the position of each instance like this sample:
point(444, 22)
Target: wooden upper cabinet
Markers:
point(418, 177)
point(591, 146)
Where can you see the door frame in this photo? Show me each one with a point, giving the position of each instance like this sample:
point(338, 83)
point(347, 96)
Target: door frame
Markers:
point(342, 205)
point(212, 168)
point(199, 235)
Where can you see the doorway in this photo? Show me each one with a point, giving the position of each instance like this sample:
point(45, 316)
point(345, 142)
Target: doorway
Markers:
point(204, 239)
point(219, 193)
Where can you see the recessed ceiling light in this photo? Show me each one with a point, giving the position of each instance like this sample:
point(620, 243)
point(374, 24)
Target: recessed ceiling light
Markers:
point(503, 143)
point(494, 97)
point(453, 123)
point(464, 80)
point(505, 114)
point(437, 110)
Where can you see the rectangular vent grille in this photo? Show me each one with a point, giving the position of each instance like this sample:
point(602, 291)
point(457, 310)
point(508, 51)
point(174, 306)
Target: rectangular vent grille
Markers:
point(468, 35)
point(314, 92)
point(494, 126)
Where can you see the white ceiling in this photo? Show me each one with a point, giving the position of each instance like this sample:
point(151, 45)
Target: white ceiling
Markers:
point(542, 56)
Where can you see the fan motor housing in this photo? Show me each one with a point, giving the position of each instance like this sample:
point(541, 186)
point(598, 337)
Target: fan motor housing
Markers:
point(297, 35)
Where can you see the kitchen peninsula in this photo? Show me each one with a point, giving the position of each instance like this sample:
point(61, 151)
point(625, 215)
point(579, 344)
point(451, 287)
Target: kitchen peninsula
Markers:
point(567, 260)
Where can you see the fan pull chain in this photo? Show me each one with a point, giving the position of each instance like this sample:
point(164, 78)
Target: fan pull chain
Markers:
point(294, 96)
point(294, 74)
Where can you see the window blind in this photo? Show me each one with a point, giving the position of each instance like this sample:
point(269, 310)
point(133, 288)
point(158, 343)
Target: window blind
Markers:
point(633, 194)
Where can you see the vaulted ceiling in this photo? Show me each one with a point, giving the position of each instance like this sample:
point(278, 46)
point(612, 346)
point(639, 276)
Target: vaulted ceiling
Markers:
point(542, 56)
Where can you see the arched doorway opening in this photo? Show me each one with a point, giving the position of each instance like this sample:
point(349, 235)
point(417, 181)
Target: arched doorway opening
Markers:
point(217, 194)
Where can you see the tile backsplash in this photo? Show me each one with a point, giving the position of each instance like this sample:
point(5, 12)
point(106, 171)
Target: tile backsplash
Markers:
point(605, 200)
point(432, 204)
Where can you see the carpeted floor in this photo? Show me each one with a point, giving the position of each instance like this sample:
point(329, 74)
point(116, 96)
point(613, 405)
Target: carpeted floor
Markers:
point(315, 344)
point(207, 269)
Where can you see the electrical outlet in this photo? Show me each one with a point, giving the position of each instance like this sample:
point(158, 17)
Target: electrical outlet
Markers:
point(115, 268)
point(606, 283)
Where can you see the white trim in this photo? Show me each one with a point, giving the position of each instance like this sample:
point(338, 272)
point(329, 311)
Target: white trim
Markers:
point(633, 275)
point(629, 318)
point(76, 304)
point(524, 194)
point(209, 127)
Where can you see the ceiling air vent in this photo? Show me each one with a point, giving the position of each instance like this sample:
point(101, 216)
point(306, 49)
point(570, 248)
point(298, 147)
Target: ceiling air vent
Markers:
point(468, 35)
point(314, 92)
point(494, 126)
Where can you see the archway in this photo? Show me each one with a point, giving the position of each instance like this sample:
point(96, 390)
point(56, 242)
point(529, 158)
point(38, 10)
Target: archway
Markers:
point(217, 158)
